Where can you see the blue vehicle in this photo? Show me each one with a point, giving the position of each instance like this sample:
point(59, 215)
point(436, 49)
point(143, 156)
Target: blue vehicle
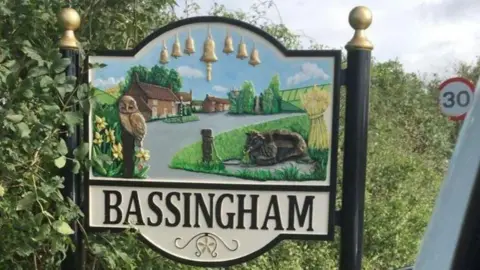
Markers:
point(452, 239)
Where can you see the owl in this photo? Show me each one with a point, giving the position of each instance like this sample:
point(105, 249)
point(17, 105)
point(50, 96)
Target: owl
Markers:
point(132, 119)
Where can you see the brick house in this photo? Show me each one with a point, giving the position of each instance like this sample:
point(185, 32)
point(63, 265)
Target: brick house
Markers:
point(215, 104)
point(153, 101)
point(186, 98)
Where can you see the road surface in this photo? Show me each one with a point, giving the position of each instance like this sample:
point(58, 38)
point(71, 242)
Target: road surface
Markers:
point(165, 140)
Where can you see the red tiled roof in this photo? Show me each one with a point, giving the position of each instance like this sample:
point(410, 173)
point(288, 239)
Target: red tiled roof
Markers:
point(186, 96)
point(219, 100)
point(157, 92)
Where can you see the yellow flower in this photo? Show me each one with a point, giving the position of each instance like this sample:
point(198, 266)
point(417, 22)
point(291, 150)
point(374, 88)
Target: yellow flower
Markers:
point(100, 122)
point(143, 154)
point(98, 138)
point(110, 135)
point(117, 151)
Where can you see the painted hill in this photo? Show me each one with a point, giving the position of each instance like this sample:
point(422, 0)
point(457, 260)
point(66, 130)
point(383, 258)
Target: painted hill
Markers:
point(104, 97)
point(291, 97)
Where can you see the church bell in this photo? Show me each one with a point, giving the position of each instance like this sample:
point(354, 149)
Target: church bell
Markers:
point(242, 50)
point(209, 55)
point(228, 46)
point(176, 50)
point(254, 57)
point(164, 54)
point(189, 44)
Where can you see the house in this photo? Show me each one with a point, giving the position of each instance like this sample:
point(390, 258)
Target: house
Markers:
point(185, 98)
point(197, 105)
point(153, 101)
point(215, 104)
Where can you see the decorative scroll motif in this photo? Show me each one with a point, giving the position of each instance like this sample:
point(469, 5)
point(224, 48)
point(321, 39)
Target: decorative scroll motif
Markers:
point(206, 242)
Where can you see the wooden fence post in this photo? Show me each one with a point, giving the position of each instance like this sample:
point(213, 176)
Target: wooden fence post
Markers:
point(128, 151)
point(207, 145)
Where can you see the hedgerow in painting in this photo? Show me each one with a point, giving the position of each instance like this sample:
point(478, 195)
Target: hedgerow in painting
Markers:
point(407, 149)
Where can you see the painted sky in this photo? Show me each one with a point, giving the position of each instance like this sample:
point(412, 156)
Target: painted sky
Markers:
point(228, 72)
point(427, 36)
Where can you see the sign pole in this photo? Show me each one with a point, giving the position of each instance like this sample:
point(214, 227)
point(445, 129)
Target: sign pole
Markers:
point(355, 155)
point(69, 49)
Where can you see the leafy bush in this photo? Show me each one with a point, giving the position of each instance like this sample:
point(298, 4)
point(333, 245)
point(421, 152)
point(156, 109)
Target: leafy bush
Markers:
point(409, 146)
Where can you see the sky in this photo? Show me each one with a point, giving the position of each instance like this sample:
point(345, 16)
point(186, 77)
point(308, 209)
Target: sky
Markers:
point(228, 72)
point(427, 36)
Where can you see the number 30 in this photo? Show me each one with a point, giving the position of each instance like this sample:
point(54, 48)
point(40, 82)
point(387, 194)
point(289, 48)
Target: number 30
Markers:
point(462, 99)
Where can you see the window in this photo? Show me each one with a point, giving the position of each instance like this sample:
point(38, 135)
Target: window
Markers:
point(155, 102)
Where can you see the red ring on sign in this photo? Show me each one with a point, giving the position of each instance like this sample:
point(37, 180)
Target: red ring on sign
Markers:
point(462, 80)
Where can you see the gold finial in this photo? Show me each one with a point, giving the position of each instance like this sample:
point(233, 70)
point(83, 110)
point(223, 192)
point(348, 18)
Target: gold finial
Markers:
point(360, 19)
point(71, 21)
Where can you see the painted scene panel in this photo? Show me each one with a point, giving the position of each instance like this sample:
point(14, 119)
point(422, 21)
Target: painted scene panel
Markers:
point(212, 102)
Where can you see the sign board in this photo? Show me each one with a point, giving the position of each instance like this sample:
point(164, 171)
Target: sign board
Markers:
point(214, 141)
point(456, 97)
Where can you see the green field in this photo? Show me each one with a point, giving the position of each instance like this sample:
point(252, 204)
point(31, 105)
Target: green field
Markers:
point(104, 97)
point(229, 145)
point(291, 97)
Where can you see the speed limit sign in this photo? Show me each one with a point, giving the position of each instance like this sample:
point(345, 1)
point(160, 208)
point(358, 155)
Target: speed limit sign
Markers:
point(456, 97)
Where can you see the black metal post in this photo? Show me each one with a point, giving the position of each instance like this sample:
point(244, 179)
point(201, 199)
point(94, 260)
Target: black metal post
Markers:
point(355, 146)
point(72, 182)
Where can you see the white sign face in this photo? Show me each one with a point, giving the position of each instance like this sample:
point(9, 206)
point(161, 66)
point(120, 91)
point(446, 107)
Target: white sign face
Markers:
point(214, 154)
point(456, 97)
point(210, 226)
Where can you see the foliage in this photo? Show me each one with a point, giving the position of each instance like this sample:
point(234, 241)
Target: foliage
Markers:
point(408, 149)
point(107, 154)
point(158, 75)
point(181, 119)
point(268, 101)
point(248, 96)
point(277, 98)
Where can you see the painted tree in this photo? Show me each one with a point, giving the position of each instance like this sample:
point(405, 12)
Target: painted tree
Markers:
point(140, 71)
point(233, 103)
point(174, 81)
point(248, 91)
point(268, 101)
point(277, 99)
point(159, 75)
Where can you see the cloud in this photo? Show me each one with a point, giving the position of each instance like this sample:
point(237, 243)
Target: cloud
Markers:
point(309, 71)
point(107, 83)
point(219, 88)
point(189, 72)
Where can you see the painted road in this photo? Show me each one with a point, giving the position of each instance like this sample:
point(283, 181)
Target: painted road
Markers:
point(165, 140)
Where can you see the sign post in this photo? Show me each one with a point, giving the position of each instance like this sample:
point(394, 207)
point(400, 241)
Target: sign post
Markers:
point(72, 182)
point(455, 99)
point(215, 155)
point(356, 130)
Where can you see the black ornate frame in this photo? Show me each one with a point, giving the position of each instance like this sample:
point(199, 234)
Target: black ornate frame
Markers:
point(331, 188)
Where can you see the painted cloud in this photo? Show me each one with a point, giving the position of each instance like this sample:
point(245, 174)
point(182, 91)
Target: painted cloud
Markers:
point(219, 88)
point(107, 83)
point(308, 71)
point(189, 72)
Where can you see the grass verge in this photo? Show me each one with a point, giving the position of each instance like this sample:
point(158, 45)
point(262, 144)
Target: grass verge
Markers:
point(229, 145)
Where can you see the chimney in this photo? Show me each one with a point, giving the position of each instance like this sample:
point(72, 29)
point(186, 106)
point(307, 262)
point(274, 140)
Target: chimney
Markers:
point(191, 96)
